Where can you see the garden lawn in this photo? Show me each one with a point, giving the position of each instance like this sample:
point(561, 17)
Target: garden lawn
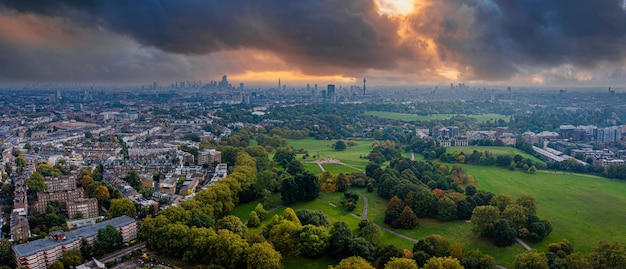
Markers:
point(496, 151)
point(322, 149)
point(414, 117)
point(582, 208)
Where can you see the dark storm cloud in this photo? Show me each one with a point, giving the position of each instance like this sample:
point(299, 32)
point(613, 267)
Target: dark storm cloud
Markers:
point(503, 34)
point(348, 34)
point(482, 39)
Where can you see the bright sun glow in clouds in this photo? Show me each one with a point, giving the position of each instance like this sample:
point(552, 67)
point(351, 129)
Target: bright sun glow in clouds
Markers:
point(395, 7)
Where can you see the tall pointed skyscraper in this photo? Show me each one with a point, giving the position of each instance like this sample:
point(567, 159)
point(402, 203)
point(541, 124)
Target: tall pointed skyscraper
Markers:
point(279, 84)
point(364, 86)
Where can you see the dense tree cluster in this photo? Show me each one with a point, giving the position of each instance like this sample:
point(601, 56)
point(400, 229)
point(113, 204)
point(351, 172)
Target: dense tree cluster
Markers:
point(561, 255)
point(502, 220)
point(298, 184)
point(426, 190)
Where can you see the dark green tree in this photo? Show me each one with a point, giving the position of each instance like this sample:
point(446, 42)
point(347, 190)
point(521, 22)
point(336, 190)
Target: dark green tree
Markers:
point(503, 234)
point(340, 145)
point(289, 191)
point(340, 235)
point(109, 239)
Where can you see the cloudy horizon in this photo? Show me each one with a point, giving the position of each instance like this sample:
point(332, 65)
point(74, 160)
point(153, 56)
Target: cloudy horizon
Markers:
point(391, 42)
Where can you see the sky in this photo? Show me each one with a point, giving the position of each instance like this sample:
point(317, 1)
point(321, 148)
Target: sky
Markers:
point(391, 42)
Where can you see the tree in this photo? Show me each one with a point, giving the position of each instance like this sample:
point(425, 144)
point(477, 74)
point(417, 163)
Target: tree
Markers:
point(477, 260)
point(290, 215)
point(340, 235)
point(261, 212)
point(71, 258)
point(109, 239)
point(6, 253)
point(501, 201)
point(253, 219)
point(86, 249)
point(353, 262)
point(484, 218)
point(407, 219)
point(401, 263)
point(442, 262)
point(295, 167)
point(456, 251)
point(312, 240)
point(446, 209)
point(387, 253)
point(528, 203)
point(233, 224)
point(577, 261)
point(433, 245)
point(56, 265)
point(20, 163)
point(315, 217)
point(370, 232)
point(340, 145)
point(263, 255)
point(283, 156)
point(530, 260)
point(227, 249)
point(395, 204)
point(122, 206)
point(308, 186)
point(516, 215)
point(360, 247)
point(343, 183)
point(608, 255)
point(36, 183)
point(503, 235)
point(289, 191)
point(283, 236)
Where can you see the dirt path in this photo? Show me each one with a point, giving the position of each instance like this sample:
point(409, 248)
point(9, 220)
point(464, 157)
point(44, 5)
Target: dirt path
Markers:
point(366, 206)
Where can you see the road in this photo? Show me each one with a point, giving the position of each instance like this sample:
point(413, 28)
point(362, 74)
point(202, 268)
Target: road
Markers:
point(118, 254)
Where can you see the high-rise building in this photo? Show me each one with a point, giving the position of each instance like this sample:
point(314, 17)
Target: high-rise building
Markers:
point(331, 90)
point(364, 86)
point(279, 87)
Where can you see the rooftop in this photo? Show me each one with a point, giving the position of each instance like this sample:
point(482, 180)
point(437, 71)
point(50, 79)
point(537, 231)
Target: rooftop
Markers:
point(33, 247)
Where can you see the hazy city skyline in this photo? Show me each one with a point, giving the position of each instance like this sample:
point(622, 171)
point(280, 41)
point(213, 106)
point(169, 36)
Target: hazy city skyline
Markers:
point(391, 42)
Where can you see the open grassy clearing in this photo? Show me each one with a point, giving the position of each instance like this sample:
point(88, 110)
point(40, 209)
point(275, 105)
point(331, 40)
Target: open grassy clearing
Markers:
point(323, 150)
point(582, 208)
point(510, 151)
point(336, 168)
point(414, 117)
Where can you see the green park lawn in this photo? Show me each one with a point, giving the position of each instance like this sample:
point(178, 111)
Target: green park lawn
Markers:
point(582, 208)
point(322, 149)
point(414, 117)
point(510, 151)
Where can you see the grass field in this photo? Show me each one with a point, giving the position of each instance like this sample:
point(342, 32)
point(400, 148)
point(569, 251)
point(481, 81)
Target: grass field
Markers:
point(415, 117)
point(322, 149)
point(582, 208)
point(510, 151)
